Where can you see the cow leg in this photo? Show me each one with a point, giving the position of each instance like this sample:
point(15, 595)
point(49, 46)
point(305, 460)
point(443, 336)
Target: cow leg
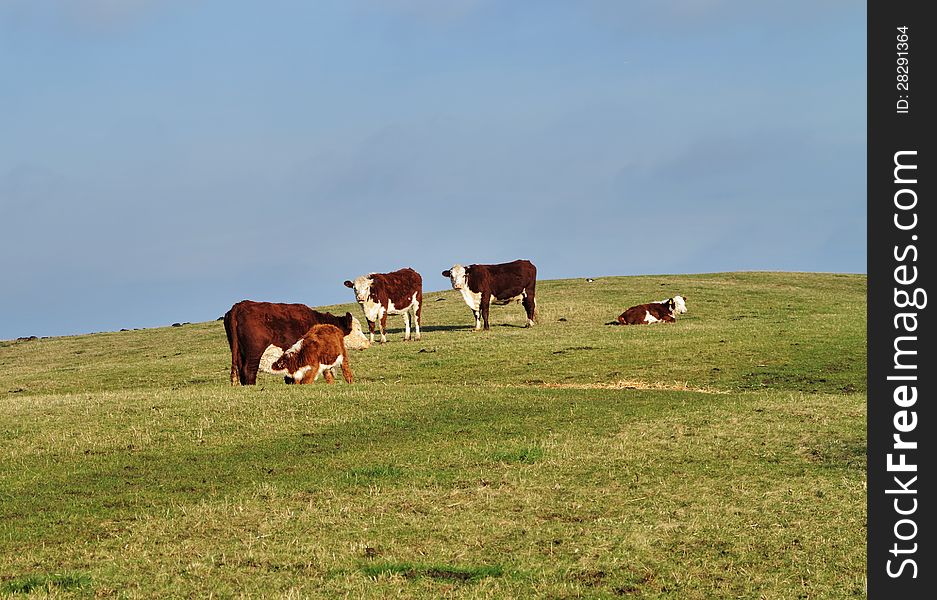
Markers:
point(529, 306)
point(248, 373)
point(478, 320)
point(346, 368)
point(329, 378)
point(371, 329)
point(418, 314)
point(485, 306)
point(406, 325)
point(383, 323)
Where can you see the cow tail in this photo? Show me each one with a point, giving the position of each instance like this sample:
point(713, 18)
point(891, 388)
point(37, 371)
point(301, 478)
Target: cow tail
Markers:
point(231, 332)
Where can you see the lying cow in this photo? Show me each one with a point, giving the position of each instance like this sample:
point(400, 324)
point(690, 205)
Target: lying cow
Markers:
point(318, 352)
point(653, 312)
point(259, 332)
point(508, 282)
point(396, 293)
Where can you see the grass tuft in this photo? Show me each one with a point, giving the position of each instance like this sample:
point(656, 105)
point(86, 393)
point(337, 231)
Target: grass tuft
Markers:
point(28, 584)
point(438, 572)
point(371, 473)
point(527, 455)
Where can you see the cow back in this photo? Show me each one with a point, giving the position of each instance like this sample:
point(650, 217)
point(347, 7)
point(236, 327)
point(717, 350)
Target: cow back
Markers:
point(397, 287)
point(259, 324)
point(502, 280)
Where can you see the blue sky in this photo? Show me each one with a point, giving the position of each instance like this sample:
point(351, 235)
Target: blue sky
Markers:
point(161, 160)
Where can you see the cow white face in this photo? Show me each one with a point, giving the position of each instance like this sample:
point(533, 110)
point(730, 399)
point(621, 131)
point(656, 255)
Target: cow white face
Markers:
point(356, 340)
point(679, 305)
point(362, 287)
point(457, 276)
point(271, 355)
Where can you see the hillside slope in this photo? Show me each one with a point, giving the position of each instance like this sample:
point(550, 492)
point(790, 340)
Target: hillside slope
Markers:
point(721, 456)
point(744, 331)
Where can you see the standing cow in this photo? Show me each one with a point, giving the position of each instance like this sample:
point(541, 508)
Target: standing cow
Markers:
point(382, 294)
point(319, 352)
point(508, 282)
point(259, 332)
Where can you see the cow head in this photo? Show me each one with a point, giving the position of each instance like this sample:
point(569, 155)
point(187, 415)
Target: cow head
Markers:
point(679, 304)
point(356, 340)
point(287, 361)
point(362, 287)
point(457, 276)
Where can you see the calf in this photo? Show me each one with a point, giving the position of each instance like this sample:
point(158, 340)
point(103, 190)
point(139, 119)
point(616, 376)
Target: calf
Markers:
point(382, 294)
point(508, 282)
point(654, 312)
point(259, 332)
point(318, 352)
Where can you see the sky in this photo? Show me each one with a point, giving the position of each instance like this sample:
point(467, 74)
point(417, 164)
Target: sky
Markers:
point(162, 160)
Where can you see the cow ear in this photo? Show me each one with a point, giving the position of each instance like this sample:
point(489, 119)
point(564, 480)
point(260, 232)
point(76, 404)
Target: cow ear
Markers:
point(349, 284)
point(348, 316)
point(447, 273)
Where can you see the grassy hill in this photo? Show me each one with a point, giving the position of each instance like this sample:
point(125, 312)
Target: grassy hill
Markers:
point(721, 456)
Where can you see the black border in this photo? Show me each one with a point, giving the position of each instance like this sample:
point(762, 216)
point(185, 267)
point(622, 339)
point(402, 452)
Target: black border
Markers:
point(889, 132)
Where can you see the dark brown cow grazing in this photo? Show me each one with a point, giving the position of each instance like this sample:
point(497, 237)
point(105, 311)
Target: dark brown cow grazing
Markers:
point(653, 312)
point(382, 294)
point(258, 332)
point(508, 282)
point(317, 353)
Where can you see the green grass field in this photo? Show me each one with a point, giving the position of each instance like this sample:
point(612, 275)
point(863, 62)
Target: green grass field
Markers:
point(719, 457)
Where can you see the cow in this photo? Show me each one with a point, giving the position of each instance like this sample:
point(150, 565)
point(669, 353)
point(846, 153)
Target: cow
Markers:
point(382, 294)
point(653, 312)
point(259, 332)
point(508, 282)
point(318, 352)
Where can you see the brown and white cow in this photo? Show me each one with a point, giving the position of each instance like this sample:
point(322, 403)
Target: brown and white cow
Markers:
point(508, 282)
point(318, 352)
point(259, 332)
point(396, 293)
point(654, 312)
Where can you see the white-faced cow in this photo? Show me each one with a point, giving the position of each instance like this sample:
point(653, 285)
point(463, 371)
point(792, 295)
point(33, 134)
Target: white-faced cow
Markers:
point(319, 352)
point(396, 293)
point(508, 282)
point(259, 332)
point(654, 312)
